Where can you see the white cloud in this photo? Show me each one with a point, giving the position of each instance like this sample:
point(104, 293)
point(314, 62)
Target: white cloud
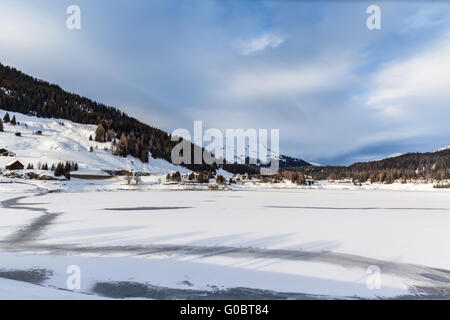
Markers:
point(415, 85)
point(23, 30)
point(305, 79)
point(260, 43)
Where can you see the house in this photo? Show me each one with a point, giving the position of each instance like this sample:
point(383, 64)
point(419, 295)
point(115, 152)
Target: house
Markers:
point(15, 165)
point(6, 153)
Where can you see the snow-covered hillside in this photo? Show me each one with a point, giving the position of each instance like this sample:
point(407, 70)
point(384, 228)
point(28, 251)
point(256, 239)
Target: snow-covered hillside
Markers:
point(443, 148)
point(63, 140)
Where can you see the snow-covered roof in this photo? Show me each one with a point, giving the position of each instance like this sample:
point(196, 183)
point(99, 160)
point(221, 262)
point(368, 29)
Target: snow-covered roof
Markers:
point(12, 162)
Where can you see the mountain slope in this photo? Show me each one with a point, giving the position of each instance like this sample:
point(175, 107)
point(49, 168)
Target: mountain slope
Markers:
point(428, 165)
point(438, 160)
point(27, 95)
point(290, 162)
point(64, 140)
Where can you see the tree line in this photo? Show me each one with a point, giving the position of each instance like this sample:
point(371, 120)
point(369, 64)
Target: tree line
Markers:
point(59, 169)
point(31, 96)
point(410, 166)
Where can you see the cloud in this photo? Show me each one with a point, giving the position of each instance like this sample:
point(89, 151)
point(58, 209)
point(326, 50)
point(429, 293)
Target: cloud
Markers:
point(266, 40)
point(22, 30)
point(337, 91)
point(414, 86)
point(290, 80)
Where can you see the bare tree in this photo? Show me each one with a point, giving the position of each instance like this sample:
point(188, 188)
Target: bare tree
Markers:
point(128, 178)
point(137, 179)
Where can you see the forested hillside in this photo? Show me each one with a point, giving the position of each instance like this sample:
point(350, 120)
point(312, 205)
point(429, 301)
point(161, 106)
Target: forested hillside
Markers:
point(429, 165)
point(25, 94)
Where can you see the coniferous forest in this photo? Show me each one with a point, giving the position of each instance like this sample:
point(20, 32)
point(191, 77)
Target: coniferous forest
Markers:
point(429, 165)
point(25, 94)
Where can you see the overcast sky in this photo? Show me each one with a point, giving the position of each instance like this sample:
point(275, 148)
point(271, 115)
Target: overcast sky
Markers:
point(338, 92)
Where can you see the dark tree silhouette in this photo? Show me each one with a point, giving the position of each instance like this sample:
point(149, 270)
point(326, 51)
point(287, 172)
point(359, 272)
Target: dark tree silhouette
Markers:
point(6, 118)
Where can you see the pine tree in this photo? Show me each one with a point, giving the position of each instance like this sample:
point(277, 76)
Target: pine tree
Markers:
point(1, 126)
point(220, 179)
point(123, 145)
point(144, 156)
point(59, 171)
point(13, 121)
point(6, 118)
point(176, 176)
point(110, 135)
point(68, 167)
point(100, 133)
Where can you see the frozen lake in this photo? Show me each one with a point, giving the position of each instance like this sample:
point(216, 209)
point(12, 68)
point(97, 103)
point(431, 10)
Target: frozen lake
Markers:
point(233, 244)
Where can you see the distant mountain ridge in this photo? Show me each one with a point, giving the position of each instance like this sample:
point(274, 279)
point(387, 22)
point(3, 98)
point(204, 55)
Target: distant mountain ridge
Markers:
point(253, 158)
point(427, 165)
point(428, 161)
point(291, 162)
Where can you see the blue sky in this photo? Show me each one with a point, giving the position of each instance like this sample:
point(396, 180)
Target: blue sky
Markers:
point(338, 92)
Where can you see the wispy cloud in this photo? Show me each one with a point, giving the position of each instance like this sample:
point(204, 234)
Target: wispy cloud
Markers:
point(415, 85)
point(427, 18)
point(260, 43)
point(294, 80)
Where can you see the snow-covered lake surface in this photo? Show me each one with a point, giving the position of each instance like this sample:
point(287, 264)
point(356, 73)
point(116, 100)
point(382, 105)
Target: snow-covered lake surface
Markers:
point(247, 243)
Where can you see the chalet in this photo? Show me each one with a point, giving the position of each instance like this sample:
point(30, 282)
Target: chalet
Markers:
point(15, 165)
point(6, 153)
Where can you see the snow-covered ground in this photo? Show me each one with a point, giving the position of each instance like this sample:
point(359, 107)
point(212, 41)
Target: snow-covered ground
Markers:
point(248, 240)
point(63, 140)
point(184, 244)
